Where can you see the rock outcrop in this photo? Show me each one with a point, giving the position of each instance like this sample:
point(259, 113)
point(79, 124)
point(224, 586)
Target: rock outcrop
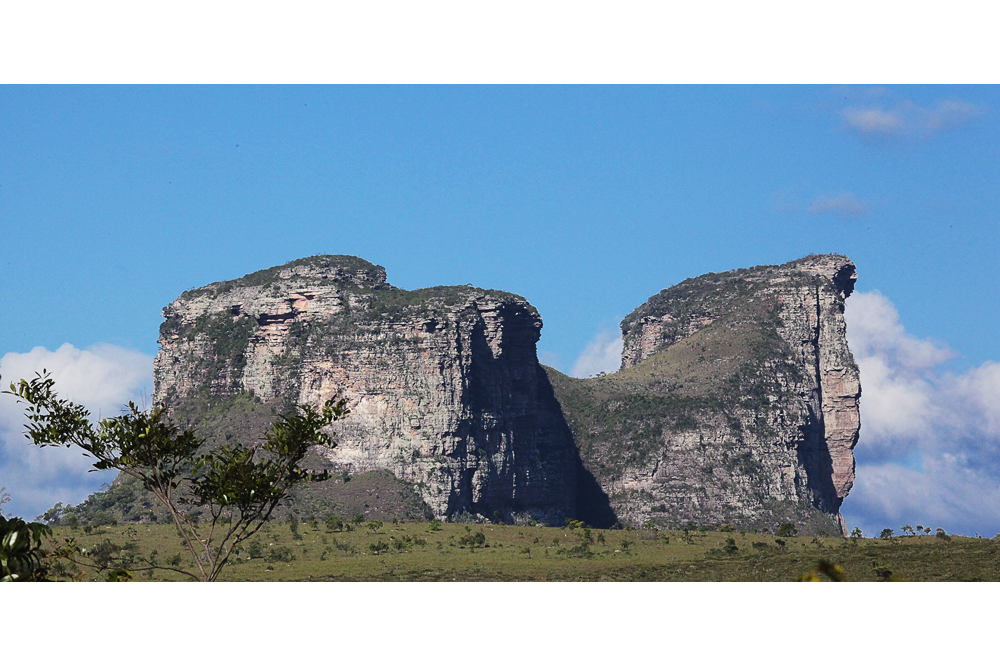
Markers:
point(736, 402)
point(443, 384)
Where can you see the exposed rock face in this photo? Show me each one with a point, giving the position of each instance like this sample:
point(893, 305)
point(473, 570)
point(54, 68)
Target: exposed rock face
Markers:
point(443, 384)
point(736, 402)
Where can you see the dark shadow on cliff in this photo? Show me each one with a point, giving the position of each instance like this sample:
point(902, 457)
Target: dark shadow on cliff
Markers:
point(814, 456)
point(593, 506)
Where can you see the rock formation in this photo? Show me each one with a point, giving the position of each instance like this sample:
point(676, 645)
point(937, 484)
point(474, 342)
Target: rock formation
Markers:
point(443, 384)
point(736, 402)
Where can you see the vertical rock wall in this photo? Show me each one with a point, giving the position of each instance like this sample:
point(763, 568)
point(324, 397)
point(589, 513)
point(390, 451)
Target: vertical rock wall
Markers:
point(443, 384)
point(737, 401)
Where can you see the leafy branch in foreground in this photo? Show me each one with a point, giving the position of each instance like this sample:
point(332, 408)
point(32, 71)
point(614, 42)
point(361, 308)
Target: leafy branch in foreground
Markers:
point(238, 486)
point(21, 553)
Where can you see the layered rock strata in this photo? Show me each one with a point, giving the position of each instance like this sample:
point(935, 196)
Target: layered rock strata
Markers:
point(443, 384)
point(736, 402)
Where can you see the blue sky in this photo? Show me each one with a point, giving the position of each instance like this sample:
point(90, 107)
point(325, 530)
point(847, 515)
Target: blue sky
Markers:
point(585, 200)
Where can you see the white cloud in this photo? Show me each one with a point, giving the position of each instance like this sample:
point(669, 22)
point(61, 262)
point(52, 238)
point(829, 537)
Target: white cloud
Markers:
point(845, 204)
point(602, 355)
point(945, 493)
point(897, 397)
point(102, 378)
point(874, 330)
point(908, 120)
point(948, 114)
point(980, 390)
point(929, 450)
point(873, 120)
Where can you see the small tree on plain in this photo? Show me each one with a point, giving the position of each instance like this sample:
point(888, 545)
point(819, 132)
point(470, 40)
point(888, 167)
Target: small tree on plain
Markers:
point(236, 486)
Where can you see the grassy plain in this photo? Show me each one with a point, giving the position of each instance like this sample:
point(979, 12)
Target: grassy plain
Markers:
point(455, 552)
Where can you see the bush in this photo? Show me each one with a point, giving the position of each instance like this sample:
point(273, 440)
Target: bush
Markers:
point(255, 549)
point(885, 534)
point(727, 549)
point(881, 572)
point(581, 550)
point(477, 539)
point(436, 524)
point(787, 529)
point(279, 554)
point(105, 553)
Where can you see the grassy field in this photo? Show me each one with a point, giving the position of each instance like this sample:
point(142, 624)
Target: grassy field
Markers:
point(458, 552)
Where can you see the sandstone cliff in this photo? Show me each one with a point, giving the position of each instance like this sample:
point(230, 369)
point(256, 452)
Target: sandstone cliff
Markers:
point(736, 402)
point(443, 384)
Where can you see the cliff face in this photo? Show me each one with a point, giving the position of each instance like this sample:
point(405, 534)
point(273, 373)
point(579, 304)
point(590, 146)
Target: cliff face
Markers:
point(443, 384)
point(736, 402)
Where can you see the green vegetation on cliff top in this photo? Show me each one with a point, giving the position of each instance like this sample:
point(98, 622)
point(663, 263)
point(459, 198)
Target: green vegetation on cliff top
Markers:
point(346, 266)
point(343, 269)
point(714, 292)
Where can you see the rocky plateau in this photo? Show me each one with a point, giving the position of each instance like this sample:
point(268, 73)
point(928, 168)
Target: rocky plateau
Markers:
point(736, 402)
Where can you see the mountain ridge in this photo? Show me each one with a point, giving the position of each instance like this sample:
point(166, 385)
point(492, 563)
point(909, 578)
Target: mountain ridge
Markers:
point(736, 400)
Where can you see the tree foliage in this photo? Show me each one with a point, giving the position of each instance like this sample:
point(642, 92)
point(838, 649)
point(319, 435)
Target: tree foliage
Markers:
point(787, 529)
point(21, 555)
point(236, 485)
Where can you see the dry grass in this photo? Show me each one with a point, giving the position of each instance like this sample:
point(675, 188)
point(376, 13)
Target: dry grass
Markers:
point(535, 553)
